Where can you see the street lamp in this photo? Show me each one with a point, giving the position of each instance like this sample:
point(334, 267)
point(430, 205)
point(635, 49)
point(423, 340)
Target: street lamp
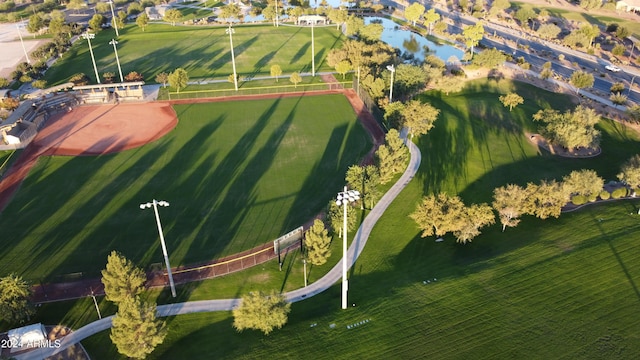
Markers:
point(233, 57)
point(155, 204)
point(345, 197)
point(22, 42)
point(393, 70)
point(276, 15)
point(113, 18)
point(114, 43)
point(631, 85)
point(313, 51)
point(96, 304)
point(90, 36)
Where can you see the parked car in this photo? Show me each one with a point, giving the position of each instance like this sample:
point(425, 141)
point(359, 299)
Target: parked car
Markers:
point(612, 68)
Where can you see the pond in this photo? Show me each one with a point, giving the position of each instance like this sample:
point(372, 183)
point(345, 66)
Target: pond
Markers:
point(411, 43)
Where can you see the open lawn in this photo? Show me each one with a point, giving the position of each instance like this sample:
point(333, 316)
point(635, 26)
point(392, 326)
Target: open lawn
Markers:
point(201, 50)
point(557, 288)
point(237, 174)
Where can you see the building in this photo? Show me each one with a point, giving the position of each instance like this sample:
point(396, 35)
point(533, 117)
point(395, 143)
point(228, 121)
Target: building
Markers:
point(628, 5)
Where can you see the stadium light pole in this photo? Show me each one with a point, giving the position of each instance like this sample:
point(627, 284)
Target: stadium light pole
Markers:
point(155, 204)
point(393, 70)
point(96, 304)
point(114, 43)
point(90, 36)
point(344, 198)
point(233, 57)
point(113, 19)
point(22, 42)
point(313, 52)
point(276, 13)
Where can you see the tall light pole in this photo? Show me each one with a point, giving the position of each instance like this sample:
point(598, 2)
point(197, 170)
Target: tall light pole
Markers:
point(344, 198)
point(233, 57)
point(90, 36)
point(22, 42)
point(313, 51)
point(277, 13)
point(96, 304)
point(155, 204)
point(631, 85)
point(114, 43)
point(393, 70)
point(113, 18)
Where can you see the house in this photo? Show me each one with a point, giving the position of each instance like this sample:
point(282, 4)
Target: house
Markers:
point(628, 5)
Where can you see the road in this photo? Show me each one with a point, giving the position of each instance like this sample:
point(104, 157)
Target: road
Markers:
point(334, 275)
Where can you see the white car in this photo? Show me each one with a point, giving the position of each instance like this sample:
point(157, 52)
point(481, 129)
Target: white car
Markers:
point(612, 68)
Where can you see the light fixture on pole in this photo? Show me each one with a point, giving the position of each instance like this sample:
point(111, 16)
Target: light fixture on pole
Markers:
point(393, 70)
point(114, 43)
point(90, 36)
point(344, 198)
point(313, 51)
point(113, 18)
point(155, 204)
point(233, 57)
point(22, 42)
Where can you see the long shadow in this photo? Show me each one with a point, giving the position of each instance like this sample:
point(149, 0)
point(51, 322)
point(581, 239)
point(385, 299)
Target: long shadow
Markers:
point(257, 68)
point(616, 254)
point(298, 55)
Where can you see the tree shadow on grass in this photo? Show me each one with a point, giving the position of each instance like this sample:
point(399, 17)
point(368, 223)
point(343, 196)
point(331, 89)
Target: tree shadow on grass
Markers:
point(298, 55)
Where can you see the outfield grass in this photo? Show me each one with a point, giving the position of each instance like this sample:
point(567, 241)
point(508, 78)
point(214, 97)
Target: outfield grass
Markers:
point(237, 174)
point(201, 50)
point(558, 288)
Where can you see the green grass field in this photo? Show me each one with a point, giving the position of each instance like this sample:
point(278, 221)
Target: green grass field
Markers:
point(558, 288)
point(203, 51)
point(237, 174)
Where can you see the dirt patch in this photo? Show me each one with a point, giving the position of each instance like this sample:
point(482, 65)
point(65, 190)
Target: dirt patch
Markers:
point(91, 130)
point(542, 143)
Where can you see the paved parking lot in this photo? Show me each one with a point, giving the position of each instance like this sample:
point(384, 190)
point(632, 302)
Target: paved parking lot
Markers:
point(12, 53)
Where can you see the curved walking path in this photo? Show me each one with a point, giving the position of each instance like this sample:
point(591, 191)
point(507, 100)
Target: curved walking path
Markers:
point(335, 274)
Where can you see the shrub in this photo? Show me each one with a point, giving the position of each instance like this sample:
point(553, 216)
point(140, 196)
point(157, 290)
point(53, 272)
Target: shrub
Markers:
point(604, 195)
point(39, 84)
point(592, 197)
point(619, 193)
point(79, 79)
point(578, 199)
point(133, 76)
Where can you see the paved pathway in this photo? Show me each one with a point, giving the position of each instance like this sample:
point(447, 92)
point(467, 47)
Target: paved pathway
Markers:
point(317, 287)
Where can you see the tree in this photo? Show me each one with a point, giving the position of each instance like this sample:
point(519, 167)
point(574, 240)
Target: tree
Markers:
point(549, 31)
point(295, 79)
point(618, 50)
point(617, 87)
point(589, 31)
point(178, 79)
point(419, 117)
point(472, 219)
point(546, 200)
point(509, 201)
point(4, 83)
point(135, 331)
point(276, 71)
point(174, 15)
point(630, 172)
point(408, 79)
point(393, 114)
point(473, 34)
point(354, 24)
point(448, 84)
point(430, 17)
point(232, 11)
point(96, 22)
point(590, 4)
point(15, 306)
point(413, 12)
point(524, 14)
point(142, 21)
point(102, 7)
point(162, 78)
point(122, 280)
point(338, 16)
point(133, 76)
point(583, 182)
point(35, 23)
point(317, 243)
point(499, 6)
point(581, 79)
point(108, 77)
point(371, 32)
point(438, 214)
point(343, 67)
point(384, 159)
point(261, 311)
point(622, 32)
point(490, 58)
point(335, 215)
point(10, 103)
point(570, 129)
point(120, 19)
point(76, 5)
point(511, 100)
